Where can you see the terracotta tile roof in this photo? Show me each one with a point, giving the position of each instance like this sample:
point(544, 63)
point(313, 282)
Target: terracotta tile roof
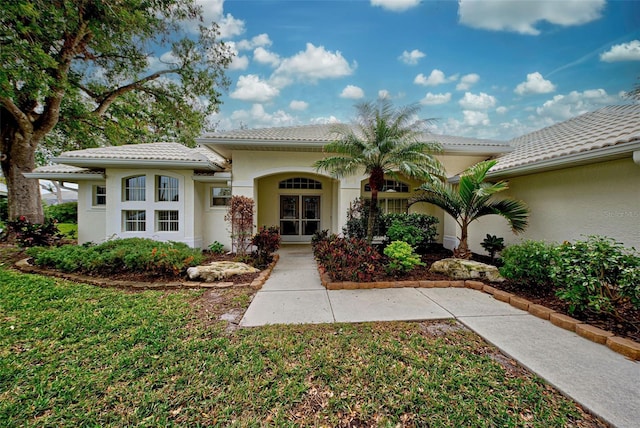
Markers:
point(143, 153)
point(599, 132)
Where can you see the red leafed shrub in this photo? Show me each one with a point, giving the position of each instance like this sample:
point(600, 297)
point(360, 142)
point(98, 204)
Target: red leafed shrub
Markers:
point(267, 242)
point(348, 259)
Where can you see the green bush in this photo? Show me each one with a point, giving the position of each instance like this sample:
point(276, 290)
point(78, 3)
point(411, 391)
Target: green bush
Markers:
point(597, 275)
point(419, 230)
point(216, 248)
point(529, 264)
point(401, 256)
point(347, 259)
point(121, 256)
point(63, 213)
point(492, 245)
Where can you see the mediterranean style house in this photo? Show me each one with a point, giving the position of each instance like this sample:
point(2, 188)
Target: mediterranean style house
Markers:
point(579, 177)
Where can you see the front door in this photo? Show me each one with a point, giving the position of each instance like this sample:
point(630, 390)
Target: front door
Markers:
point(299, 217)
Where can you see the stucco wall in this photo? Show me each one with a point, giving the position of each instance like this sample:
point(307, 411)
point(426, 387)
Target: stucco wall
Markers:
point(566, 205)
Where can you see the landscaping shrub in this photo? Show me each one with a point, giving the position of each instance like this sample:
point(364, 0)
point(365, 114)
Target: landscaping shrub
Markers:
point(318, 237)
point(216, 247)
point(120, 256)
point(419, 230)
point(267, 242)
point(63, 213)
point(29, 234)
point(492, 245)
point(402, 258)
point(597, 275)
point(240, 215)
point(347, 259)
point(4, 209)
point(529, 263)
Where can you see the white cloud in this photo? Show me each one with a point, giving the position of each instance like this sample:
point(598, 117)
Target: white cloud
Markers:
point(252, 88)
point(522, 16)
point(475, 118)
point(324, 120)
point(239, 63)
point(257, 116)
point(383, 94)
point(481, 101)
point(260, 40)
point(467, 81)
point(298, 105)
point(412, 57)
point(502, 110)
point(230, 26)
point(263, 56)
point(352, 92)
point(535, 84)
point(396, 5)
point(563, 107)
point(436, 77)
point(435, 99)
point(311, 65)
point(623, 52)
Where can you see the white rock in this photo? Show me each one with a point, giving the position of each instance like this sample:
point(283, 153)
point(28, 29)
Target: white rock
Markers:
point(467, 269)
point(216, 271)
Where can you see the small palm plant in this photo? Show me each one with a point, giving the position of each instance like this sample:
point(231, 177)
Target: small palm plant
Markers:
point(471, 199)
point(492, 245)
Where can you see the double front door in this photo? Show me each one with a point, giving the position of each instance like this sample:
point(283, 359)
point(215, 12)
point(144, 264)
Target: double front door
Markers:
point(299, 217)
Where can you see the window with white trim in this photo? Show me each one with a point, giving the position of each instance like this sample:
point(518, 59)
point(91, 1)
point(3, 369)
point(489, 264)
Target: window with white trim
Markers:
point(167, 221)
point(167, 189)
point(220, 196)
point(134, 188)
point(300, 183)
point(99, 195)
point(392, 205)
point(390, 186)
point(134, 220)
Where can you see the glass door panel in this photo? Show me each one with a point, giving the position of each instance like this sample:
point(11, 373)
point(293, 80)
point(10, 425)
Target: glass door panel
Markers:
point(289, 215)
point(310, 214)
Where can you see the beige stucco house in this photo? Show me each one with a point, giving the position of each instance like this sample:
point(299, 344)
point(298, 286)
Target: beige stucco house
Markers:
point(579, 177)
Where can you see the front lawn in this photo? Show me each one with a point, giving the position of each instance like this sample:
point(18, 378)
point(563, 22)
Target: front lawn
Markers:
point(76, 355)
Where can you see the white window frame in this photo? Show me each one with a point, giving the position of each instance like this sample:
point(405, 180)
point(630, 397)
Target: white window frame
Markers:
point(126, 222)
point(95, 195)
point(213, 197)
point(171, 224)
point(173, 188)
point(137, 190)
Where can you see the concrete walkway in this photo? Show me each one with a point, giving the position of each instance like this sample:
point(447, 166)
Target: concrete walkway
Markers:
point(603, 381)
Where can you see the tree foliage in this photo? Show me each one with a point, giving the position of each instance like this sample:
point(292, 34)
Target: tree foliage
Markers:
point(471, 199)
point(86, 73)
point(384, 140)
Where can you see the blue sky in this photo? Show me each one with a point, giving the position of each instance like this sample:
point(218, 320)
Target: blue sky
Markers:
point(482, 68)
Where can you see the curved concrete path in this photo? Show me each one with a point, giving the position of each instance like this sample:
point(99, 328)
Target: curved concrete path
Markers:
point(603, 381)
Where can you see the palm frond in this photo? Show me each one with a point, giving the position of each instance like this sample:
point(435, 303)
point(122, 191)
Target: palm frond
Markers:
point(516, 212)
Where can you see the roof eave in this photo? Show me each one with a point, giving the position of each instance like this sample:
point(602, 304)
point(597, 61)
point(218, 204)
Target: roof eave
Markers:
point(64, 176)
point(119, 163)
point(584, 158)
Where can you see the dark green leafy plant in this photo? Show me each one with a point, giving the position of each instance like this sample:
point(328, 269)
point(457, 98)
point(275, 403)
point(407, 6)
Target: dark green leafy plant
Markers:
point(267, 242)
point(63, 213)
point(401, 256)
point(29, 234)
point(419, 230)
point(121, 256)
point(216, 248)
point(492, 245)
point(597, 275)
point(529, 263)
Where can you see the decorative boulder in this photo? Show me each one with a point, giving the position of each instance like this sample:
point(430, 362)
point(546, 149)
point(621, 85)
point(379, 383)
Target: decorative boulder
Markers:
point(466, 269)
point(216, 271)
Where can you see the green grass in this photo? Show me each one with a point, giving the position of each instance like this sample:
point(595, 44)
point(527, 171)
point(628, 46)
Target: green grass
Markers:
point(76, 355)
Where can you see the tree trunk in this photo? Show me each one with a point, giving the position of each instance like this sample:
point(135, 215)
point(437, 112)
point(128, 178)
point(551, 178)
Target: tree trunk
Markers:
point(17, 158)
point(462, 252)
point(376, 181)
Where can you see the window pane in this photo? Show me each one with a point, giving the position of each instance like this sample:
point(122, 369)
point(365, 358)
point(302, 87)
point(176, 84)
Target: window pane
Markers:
point(134, 188)
point(166, 189)
point(220, 196)
point(167, 221)
point(99, 195)
point(300, 183)
point(135, 220)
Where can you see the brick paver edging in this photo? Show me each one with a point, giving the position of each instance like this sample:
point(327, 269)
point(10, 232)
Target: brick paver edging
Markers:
point(257, 283)
point(621, 345)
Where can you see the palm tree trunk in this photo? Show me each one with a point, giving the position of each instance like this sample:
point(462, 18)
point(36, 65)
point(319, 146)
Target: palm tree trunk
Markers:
point(373, 212)
point(462, 252)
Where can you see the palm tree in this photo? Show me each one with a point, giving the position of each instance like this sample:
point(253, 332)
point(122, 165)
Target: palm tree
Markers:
point(471, 199)
point(383, 140)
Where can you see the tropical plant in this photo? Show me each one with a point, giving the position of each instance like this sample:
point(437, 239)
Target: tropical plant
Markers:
point(240, 215)
point(492, 245)
point(383, 140)
point(267, 242)
point(471, 199)
point(419, 230)
point(529, 264)
point(402, 258)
